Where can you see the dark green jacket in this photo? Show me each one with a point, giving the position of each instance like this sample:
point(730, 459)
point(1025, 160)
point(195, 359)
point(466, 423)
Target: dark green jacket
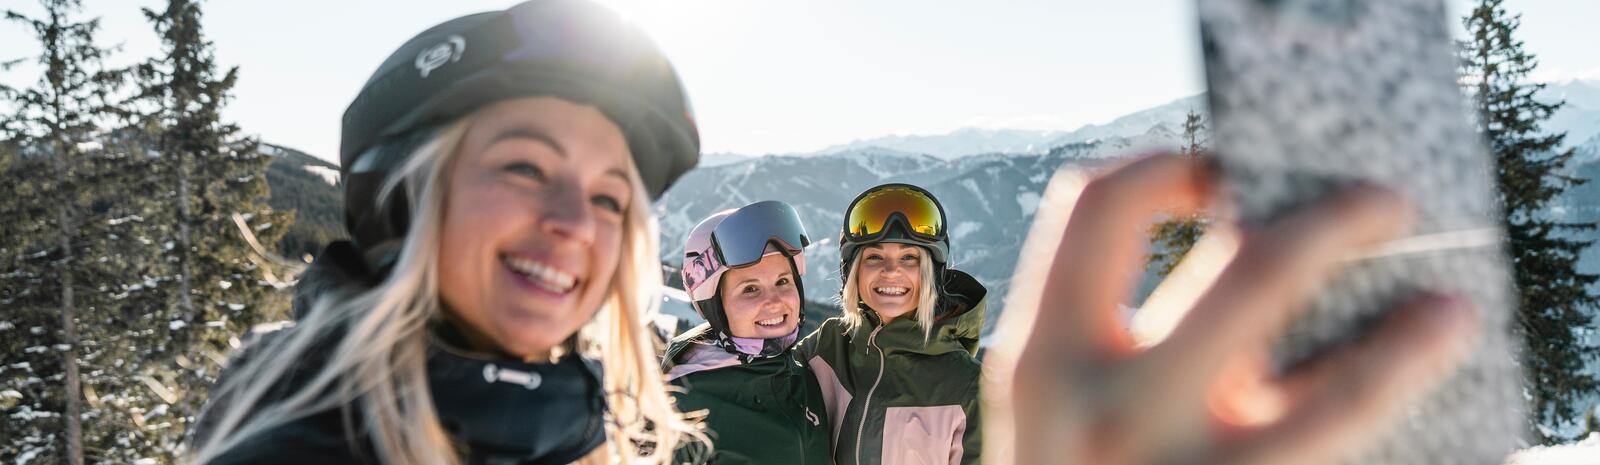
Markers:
point(768, 411)
point(894, 399)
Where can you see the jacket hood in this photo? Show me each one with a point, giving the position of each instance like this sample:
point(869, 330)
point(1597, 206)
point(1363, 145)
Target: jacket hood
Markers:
point(956, 324)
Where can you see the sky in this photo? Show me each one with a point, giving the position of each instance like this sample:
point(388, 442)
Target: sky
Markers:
point(768, 76)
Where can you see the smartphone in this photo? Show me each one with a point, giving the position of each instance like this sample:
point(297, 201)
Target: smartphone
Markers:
point(1307, 96)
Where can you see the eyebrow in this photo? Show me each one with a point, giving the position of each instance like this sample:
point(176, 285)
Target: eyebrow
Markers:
point(757, 281)
point(520, 132)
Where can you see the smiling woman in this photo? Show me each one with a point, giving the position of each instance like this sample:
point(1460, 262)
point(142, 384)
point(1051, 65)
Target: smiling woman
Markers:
point(743, 271)
point(898, 371)
point(489, 309)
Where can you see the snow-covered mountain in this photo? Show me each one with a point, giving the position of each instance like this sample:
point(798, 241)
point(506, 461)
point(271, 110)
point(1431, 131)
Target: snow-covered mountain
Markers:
point(990, 196)
point(961, 142)
point(990, 200)
point(1167, 117)
point(1580, 117)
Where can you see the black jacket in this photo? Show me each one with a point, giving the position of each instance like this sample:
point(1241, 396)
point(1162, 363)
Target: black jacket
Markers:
point(499, 410)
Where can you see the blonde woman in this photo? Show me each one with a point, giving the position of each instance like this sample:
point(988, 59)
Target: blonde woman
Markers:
point(498, 170)
point(898, 371)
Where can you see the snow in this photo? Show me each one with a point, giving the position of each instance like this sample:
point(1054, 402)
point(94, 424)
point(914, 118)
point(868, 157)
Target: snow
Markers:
point(1585, 452)
point(28, 455)
point(36, 349)
point(225, 284)
point(176, 325)
point(125, 219)
point(331, 175)
point(236, 307)
point(972, 185)
point(26, 413)
point(36, 330)
point(11, 394)
point(5, 325)
point(1029, 201)
point(964, 228)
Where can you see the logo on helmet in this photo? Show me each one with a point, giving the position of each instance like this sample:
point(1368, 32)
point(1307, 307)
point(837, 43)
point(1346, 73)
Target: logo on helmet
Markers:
point(441, 54)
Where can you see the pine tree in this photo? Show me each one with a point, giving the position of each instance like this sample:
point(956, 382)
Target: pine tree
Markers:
point(1172, 239)
point(1555, 299)
point(210, 176)
point(52, 136)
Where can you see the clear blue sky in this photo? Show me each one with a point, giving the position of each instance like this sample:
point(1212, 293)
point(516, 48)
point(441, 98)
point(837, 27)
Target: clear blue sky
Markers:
point(771, 76)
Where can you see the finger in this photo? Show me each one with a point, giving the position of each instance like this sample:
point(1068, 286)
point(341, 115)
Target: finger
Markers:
point(1097, 259)
point(1340, 401)
point(1276, 269)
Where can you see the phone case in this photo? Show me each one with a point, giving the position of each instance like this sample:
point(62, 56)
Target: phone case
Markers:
point(1310, 95)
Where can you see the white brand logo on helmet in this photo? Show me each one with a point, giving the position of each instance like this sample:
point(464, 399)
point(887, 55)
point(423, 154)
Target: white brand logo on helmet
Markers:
point(441, 54)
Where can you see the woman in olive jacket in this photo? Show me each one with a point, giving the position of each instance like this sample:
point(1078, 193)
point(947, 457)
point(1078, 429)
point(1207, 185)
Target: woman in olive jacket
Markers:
point(899, 372)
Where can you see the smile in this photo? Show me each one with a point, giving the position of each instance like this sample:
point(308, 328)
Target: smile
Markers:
point(542, 275)
point(773, 322)
point(891, 291)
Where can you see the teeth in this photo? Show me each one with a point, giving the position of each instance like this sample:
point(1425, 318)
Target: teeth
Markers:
point(542, 274)
point(771, 322)
point(892, 290)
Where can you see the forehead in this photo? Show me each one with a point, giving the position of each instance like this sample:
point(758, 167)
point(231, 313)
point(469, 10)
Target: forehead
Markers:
point(770, 266)
point(581, 131)
point(892, 247)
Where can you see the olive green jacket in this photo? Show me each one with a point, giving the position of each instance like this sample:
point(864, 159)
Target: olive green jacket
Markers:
point(767, 411)
point(895, 399)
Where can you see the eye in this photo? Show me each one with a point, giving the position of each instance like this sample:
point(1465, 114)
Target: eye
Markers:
point(910, 258)
point(607, 202)
point(783, 281)
point(750, 289)
point(874, 258)
point(526, 169)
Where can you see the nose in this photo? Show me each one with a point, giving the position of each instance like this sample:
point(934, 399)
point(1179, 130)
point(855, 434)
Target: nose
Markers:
point(567, 214)
point(773, 300)
point(892, 267)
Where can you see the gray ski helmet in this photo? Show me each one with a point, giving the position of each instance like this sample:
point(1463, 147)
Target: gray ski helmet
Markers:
point(572, 49)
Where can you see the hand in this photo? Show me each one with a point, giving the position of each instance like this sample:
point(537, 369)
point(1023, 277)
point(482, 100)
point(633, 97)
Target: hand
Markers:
point(1067, 382)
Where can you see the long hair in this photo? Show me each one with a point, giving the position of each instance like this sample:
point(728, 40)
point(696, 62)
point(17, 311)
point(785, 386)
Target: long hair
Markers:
point(927, 295)
point(378, 339)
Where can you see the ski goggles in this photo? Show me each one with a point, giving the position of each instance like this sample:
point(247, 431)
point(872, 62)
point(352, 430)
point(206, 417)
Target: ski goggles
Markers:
point(741, 240)
point(870, 215)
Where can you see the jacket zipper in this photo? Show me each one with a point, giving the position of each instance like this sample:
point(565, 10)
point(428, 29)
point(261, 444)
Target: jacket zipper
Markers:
point(872, 342)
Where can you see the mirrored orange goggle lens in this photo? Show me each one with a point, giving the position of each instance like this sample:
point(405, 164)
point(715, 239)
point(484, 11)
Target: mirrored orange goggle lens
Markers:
point(870, 215)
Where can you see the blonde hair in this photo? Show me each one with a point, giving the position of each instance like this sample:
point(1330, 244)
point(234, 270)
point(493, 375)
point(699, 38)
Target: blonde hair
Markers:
point(927, 297)
point(379, 360)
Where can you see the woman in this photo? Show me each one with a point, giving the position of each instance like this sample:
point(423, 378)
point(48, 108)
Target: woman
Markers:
point(498, 170)
point(898, 369)
point(742, 269)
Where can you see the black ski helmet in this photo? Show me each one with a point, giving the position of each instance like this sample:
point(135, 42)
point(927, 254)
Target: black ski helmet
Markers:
point(572, 49)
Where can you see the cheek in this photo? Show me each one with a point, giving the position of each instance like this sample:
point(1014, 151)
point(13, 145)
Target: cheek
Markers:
point(740, 309)
point(606, 254)
point(793, 299)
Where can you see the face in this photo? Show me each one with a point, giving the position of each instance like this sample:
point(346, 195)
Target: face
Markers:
point(761, 300)
point(533, 221)
point(889, 277)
